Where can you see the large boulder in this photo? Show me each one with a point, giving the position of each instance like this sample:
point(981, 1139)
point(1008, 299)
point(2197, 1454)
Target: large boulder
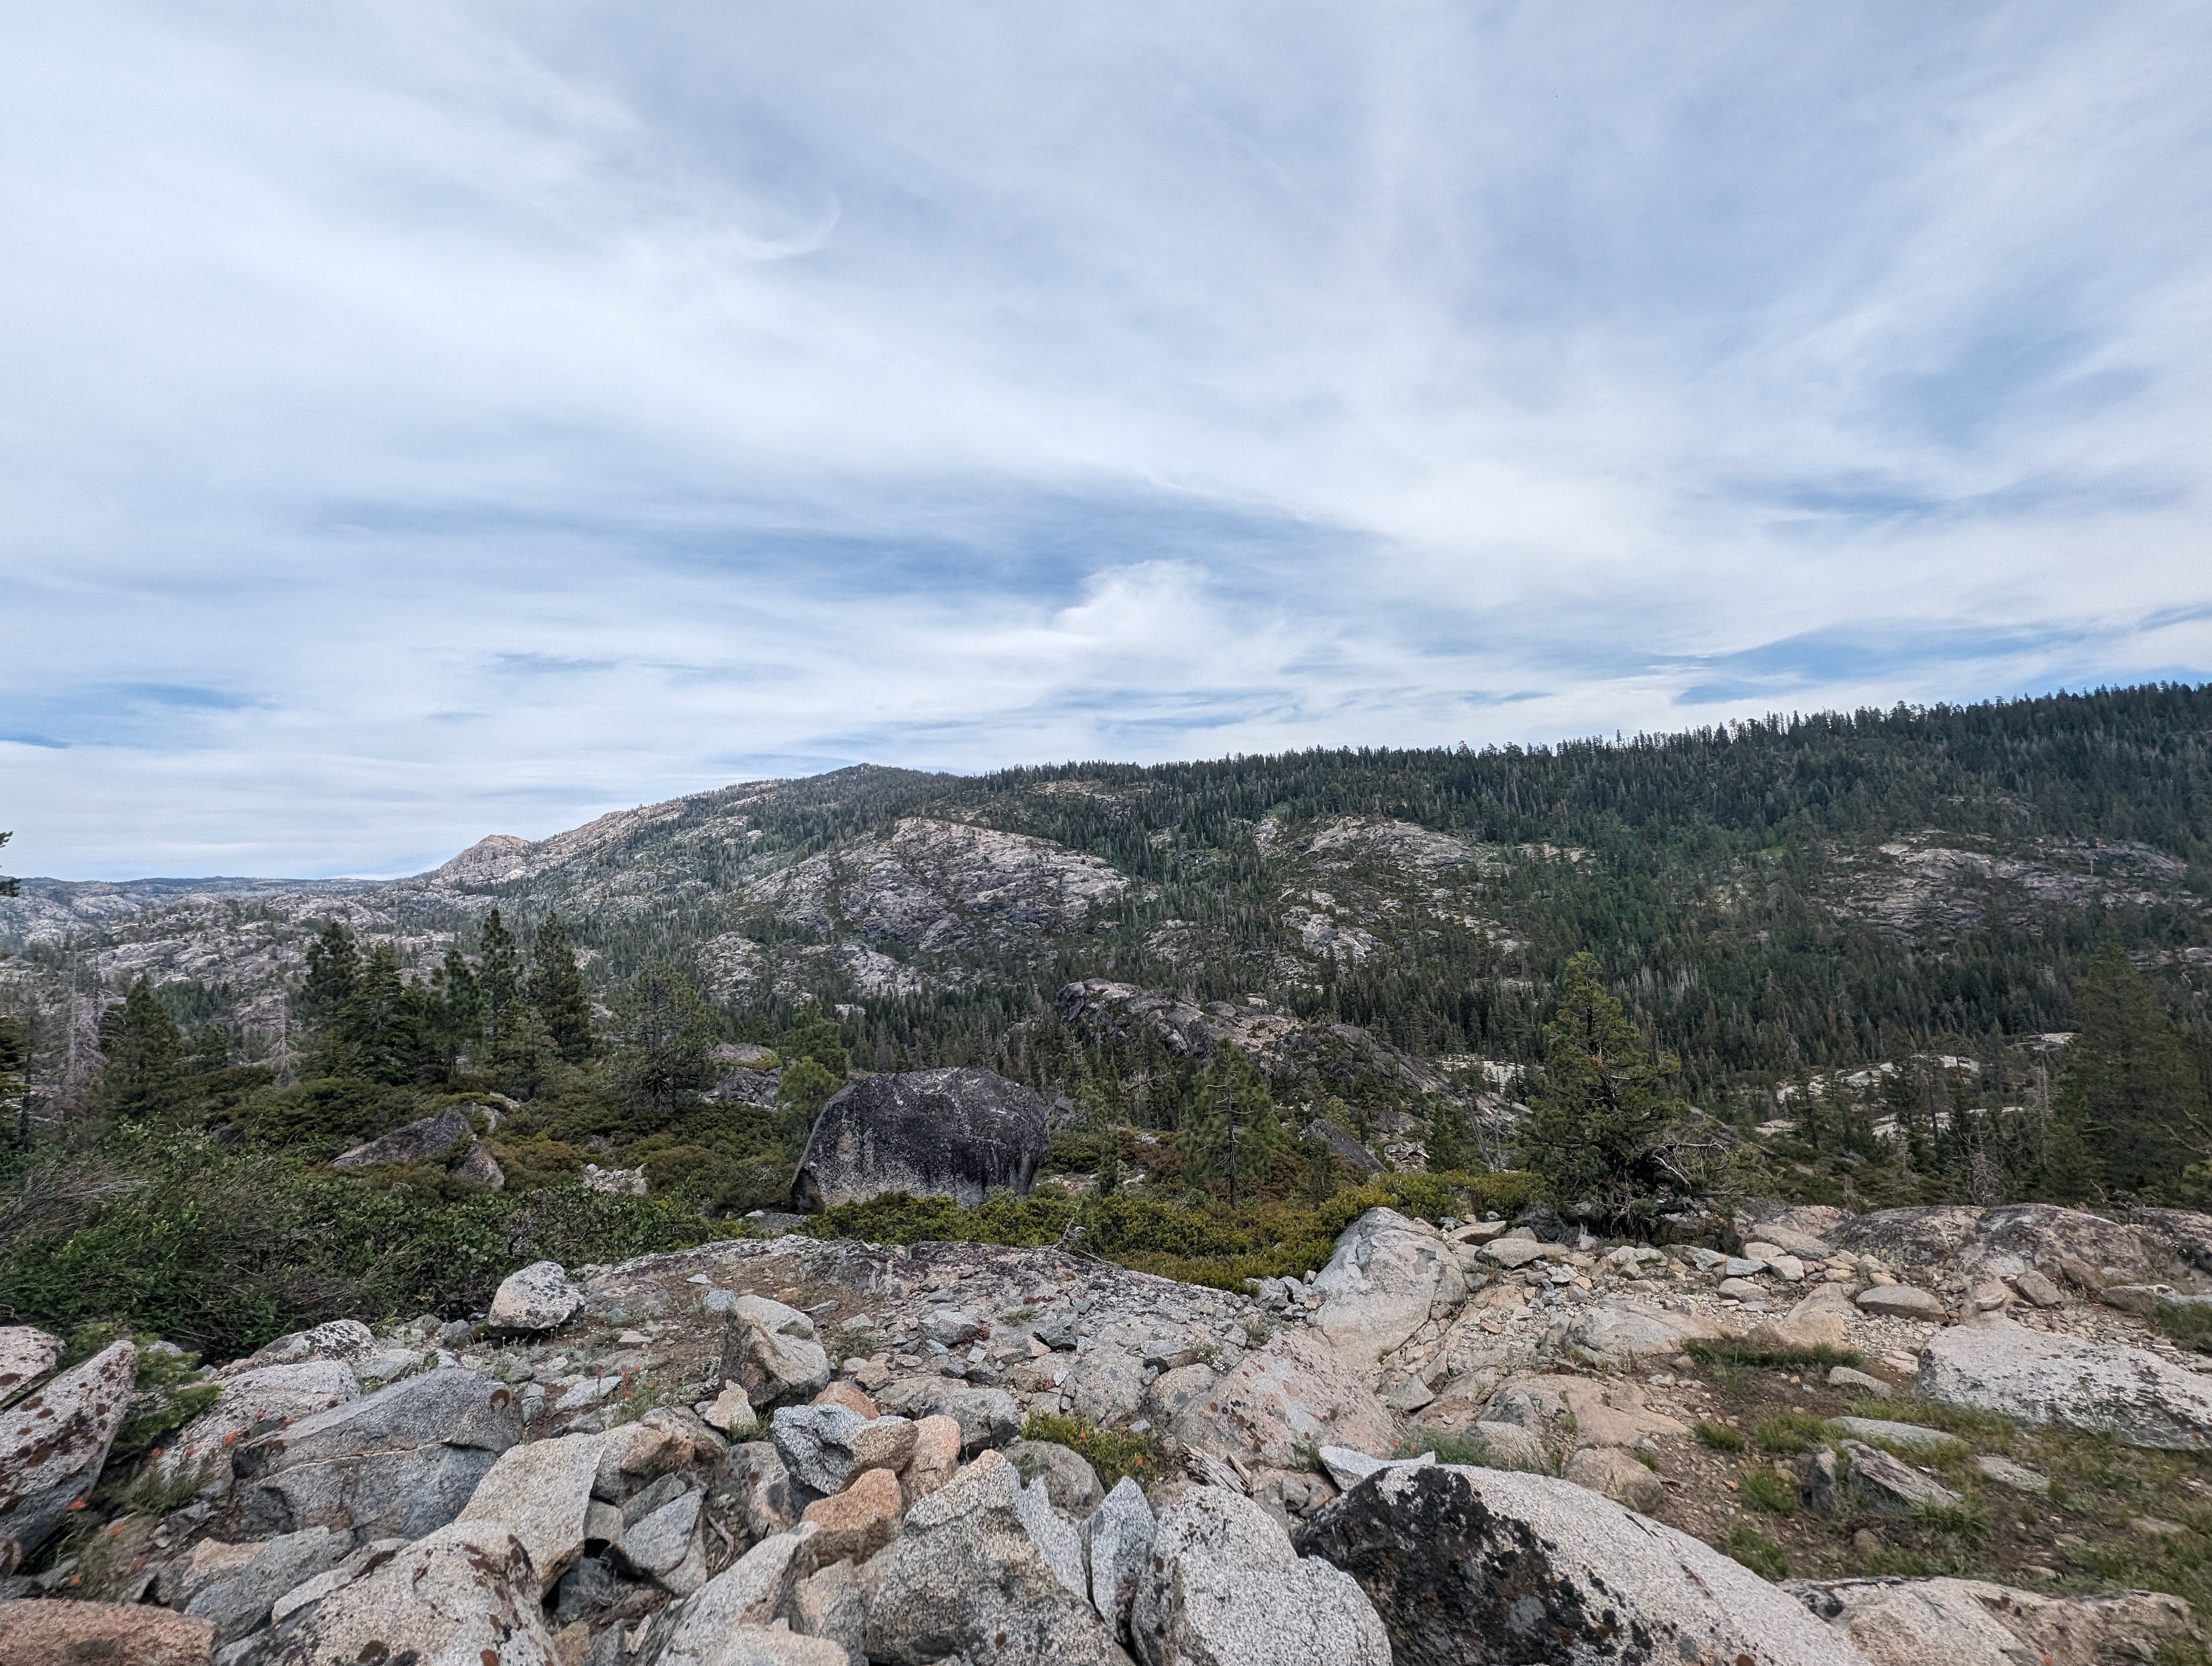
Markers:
point(538, 1297)
point(398, 1463)
point(233, 1586)
point(987, 1417)
point(542, 1491)
point(1971, 1622)
point(1469, 1566)
point(2004, 1242)
point(823, 1447)
point(464, 1593)
point(1117, 1544)
point(1380, 1285)
point(2037, 1377)
point(432, 1137)
point(778, 1358)
point(749, 1592)
point(1294, 1393)
point(1223, 1586)
point(956, 1133)
point(965, 1576)
point(53, 1442)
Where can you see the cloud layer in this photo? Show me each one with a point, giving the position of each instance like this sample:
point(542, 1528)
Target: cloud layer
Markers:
point(426, 420)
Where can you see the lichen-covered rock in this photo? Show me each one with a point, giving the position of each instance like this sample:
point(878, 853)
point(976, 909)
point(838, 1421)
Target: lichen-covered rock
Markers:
point(54, 1440)
point(27, 1353)
point(1070, 1481)
point(1297, 1392)
point(750, 1592)
point(1971, 1622)
point(252, 1401)
point(964, 1576)
point(956, 1133)
point(1223, 1586)
point(1477, 1565)
point(538, 1297)
point(1386, 1273)
point(860, 1521)
point(127, 1633)
point(825, 1446)
point(236, 1592)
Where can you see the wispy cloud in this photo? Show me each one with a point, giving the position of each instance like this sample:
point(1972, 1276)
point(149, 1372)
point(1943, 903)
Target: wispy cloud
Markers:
point(426, 420)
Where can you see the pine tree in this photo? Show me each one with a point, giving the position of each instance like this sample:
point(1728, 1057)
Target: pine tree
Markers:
point(556, 992)
point(9, 887)
point(144, 1076)
point(666, 1033)
point(333, 967)
point(2130, 1115)
point(459, 1016)
point(1597, 1134)
point(1231, 1134)
point(381, 1032)
point(1450, 1150)
point(499, 966)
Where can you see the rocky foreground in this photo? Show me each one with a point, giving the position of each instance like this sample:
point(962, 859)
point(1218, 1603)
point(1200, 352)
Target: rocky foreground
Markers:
point(787, 1450)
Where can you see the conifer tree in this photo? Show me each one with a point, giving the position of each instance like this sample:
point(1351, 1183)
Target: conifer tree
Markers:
point(664, 1035)
point(499, 966)
point(2130, 1115)
point(556, 991)
point(144, 1076)
point(1601, 1115)
point(333, 967)
point(1449, 1148)
point(459, 1018)
point(1232, 1134)
point(381, 1030)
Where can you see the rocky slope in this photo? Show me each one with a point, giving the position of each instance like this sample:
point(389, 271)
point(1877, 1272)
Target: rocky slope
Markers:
point(813, 1451)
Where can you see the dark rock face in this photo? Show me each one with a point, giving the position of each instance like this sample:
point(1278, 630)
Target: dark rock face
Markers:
point(1478, 1568)
point(1342, 1143)
point(415, 1142)
point(953, 1133)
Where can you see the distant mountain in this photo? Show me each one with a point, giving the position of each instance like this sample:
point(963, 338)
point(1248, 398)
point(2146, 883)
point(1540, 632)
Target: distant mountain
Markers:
point(1771, 899)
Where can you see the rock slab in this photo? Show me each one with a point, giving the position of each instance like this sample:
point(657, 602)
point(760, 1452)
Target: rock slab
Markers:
point(2036, 1377)
point(53, 1442)
point(956, 1133)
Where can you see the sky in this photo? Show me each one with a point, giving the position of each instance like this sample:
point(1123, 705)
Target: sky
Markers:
point(419, 421)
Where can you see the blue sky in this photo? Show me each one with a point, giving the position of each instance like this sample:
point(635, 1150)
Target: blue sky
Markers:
point(424, 421)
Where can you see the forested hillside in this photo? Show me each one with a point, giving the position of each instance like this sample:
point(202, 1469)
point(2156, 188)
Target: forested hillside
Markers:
point(1858, 944)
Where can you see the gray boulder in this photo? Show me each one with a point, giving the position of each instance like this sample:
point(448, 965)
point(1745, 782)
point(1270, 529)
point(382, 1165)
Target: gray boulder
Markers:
point(749, 1593)
point(1069, 1480)
point(829, 1605)
point(252, 1402)
point(1903, 1301)
point(1466, 1565)
point(538, 1297)
point(664, 1545)
point(823, 1447)
point(463, 1593)
point(53, 1442)
point(955, 1133)
point(1223, 1587)
point(542, 1492)
point(965, 1577)
point(400, 1463)
point(239, 1587)
point(432, 1137)
point(1117, 1543)
point(2037, 1377)
point(1386, 1272)
point(1887, 1484)
point(987, 1417)
point(1294, 1393)
point(777, 1356)
point(346, 1340)
point(1342, 1142)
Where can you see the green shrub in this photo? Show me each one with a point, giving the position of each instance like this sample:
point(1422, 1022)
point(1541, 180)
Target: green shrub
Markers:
point(1964, 1521)
point(1770, 1490)
point(1791, 1432)
point(1758, 1552)
point(1113, 1453)
point(1744, 1351)
point(2188, 1323)
point(1721, 1438)
point(1449, 1446)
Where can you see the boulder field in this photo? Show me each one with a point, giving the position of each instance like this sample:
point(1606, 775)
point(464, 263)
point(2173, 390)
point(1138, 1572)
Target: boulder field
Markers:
point(1465, 1442)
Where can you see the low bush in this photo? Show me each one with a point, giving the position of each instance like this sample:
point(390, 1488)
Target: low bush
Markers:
point(1720, 1438)
point(1767, 1489)
point(2188, 1323)
point(1758, 1552)
point(1791, 1432)
point(1113, 1453)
